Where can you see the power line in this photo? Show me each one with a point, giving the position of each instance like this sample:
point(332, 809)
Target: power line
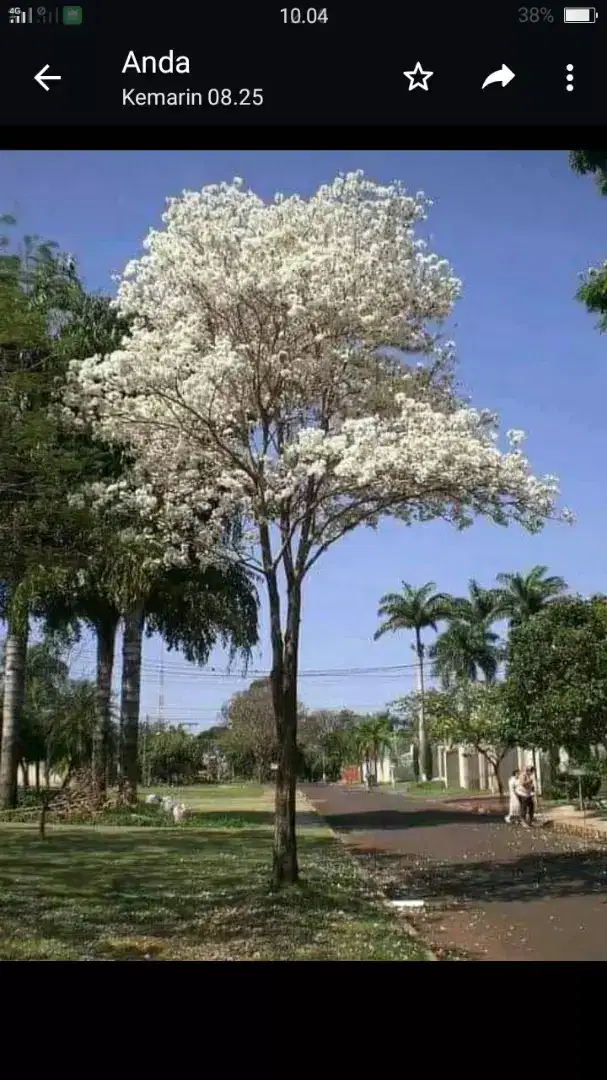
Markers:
point(157, 667)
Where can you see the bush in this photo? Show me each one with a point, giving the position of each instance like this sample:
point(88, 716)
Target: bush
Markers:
point(567, 786)
point(32, 798)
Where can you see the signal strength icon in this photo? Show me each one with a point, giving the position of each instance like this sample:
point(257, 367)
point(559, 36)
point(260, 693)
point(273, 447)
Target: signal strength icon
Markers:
point(18, 16)
point(41, 16)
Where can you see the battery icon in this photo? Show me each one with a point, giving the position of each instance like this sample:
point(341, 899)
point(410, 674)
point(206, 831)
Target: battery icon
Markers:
point(580, 15)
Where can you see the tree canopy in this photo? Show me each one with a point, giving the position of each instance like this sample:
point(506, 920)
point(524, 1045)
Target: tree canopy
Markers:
point(556, 685)
point(474, 715)
point(593, 290)
point(520, 596)
point(250, 730)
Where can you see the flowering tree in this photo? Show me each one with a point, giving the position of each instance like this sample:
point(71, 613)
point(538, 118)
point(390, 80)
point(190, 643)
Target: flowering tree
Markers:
point(265, 377)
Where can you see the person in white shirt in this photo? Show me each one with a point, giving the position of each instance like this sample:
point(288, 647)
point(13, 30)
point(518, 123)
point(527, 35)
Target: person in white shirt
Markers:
point(525, 792)
point(514, 805)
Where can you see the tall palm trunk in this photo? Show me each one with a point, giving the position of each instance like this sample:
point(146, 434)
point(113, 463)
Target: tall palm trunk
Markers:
point(423, 747)
point(15, 652)
point(132, 644)
point(105, 627)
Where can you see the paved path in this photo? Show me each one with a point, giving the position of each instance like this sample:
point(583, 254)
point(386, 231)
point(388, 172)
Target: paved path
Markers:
point(493, 892)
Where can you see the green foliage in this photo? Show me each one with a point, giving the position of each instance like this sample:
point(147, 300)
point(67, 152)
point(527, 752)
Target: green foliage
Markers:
point(414, 609)
point(475, 715)
point(593, 290)
point(480, 606)
point(58, 712)
point(593, 162)
point(326, 743)
point(194, 609)
point(566, 786)
point(468, 647)
point(556, 686)
point(374, 739)
point(405, 710)
point(593, 294)
point(69, 734)
point(169, 754)
point(466, 650)
point(522, 595)
point(249, 740)
point(41, 462)
point(30, 799)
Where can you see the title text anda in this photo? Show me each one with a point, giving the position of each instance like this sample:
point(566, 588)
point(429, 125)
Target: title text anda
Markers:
point(169, 64)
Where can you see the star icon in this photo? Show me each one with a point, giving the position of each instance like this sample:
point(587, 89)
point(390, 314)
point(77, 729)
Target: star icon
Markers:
point(418, 78)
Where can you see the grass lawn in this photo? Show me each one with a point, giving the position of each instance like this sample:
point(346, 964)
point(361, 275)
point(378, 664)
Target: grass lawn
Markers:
point(432, 788)
point(196, 892)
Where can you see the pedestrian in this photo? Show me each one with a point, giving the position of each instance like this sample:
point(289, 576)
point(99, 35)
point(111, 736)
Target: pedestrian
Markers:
point(525, 793)
point(532, 797)
point(513, 805)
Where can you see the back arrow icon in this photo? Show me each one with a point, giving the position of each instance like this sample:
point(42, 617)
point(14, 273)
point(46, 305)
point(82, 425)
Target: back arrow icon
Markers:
point(503, 76)
point(41, 78)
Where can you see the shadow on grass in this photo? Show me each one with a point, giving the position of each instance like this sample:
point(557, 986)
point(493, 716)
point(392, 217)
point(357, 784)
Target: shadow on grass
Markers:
point(128, 894)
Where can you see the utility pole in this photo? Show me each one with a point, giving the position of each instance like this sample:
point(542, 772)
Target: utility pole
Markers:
point(161, 688)
point(144, 752)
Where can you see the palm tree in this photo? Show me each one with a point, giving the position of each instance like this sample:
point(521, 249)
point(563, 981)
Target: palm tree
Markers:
point(373, 738)
point(192, 609)
point(415, 609)
point(39, 466)
point(469, 648)
point(522, 595)
point(464, 651)
point(480, 605)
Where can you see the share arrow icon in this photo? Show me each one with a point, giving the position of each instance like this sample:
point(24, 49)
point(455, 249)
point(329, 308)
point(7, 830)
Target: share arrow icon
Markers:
point(503, 76)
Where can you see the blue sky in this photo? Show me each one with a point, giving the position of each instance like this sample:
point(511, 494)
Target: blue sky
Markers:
point(518, 227)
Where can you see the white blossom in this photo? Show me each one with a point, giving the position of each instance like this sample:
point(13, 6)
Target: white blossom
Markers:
point(265, 374)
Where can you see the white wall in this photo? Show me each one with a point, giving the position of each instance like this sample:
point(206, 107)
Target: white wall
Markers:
point(55, 778)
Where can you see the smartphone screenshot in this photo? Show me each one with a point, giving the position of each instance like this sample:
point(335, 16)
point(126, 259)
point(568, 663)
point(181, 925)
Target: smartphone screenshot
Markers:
point(303, 598)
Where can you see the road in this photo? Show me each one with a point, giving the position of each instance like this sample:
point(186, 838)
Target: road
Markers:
point(491, 891)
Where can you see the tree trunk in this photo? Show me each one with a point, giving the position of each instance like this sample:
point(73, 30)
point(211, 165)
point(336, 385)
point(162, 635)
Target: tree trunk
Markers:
point(425, 767)
point(105, 629)
point(285, 870)
point(24, 772)
point(66, 778)
point(15, 652)
point(129, 703)
point(37, 775)
point(496, 773)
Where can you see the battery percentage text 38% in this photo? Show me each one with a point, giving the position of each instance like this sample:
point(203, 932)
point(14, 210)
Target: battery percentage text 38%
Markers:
point(535, 15)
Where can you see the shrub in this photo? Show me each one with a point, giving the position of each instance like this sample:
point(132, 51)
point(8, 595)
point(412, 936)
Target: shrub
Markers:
point(567, 786)
point(32, 798)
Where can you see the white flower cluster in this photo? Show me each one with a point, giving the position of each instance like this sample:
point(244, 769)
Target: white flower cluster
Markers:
point(260, 375)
